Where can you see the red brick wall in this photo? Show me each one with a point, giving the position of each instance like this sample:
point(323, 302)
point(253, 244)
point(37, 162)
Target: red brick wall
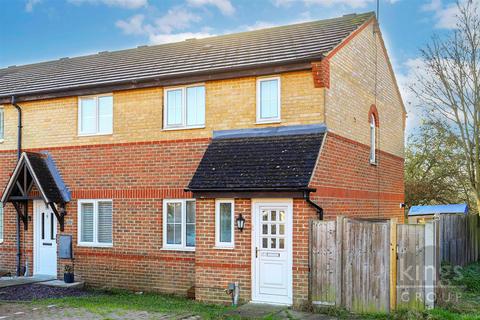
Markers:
point(137, 177)
point(347, 184)
point(216, 268)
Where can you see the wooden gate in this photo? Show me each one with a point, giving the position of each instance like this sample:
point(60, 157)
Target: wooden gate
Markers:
point(366, 263)
point(351, 264)
point(323, 258)
point(417, 265)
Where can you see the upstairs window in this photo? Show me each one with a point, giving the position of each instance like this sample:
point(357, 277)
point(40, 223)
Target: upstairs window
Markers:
point(184, 107)
point(179, 224)
point(95, 223)
point(268, 100)
point(2, 130)
point(373, 140)
point(95, 114)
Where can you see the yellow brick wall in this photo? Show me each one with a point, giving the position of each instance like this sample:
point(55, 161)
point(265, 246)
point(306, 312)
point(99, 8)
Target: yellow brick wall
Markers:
point(351, 93)
point(138, 114)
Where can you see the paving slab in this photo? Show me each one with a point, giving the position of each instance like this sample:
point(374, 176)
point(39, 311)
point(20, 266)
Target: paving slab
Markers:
point(298, 315)
point(62, 284)
point(16, 281)
point(256, 310)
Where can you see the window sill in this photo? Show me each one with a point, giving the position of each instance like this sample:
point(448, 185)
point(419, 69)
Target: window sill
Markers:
point(94, 134)
point(2, 140)
point(178, 249)
point(268, 122)
point(217, 247)
point(183, 128)
point(374, 163)
point(95, 245)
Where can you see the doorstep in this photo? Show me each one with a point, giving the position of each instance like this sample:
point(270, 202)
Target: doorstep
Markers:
point(62, 284)
point(16, 281)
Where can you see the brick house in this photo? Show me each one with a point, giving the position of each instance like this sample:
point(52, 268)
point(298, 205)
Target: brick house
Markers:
point(148, 157)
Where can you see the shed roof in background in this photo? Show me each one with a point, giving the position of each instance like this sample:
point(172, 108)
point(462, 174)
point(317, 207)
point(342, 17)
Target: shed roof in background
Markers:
point(438, 209)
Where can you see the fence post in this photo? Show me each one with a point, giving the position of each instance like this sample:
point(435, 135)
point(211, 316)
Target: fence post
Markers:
point(393, 264)
point(339, 260)
point(430, 274)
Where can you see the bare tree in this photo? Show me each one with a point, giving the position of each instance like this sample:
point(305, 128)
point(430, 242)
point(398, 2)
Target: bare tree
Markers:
point(449, 86)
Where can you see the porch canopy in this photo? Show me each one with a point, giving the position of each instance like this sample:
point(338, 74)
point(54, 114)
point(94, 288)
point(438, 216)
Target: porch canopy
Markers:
point(36, 177)
point(277, 162)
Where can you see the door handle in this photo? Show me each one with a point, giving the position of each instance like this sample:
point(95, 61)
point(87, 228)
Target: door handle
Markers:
point(47, 244)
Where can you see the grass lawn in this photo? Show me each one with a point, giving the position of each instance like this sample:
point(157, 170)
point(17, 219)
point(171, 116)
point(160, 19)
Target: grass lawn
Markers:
point(103, 303)
point(464, 284)
point(466, 287)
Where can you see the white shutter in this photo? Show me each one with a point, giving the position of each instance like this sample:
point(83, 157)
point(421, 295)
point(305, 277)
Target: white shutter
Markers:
point(104, 222)
point(87, 213)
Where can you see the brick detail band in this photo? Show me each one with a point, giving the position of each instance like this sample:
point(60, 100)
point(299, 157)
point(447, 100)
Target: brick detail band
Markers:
point(144, 193)
point(342, 138)
point(107, 145)
point(331, 192)
point(133, 257)
point(215, 265)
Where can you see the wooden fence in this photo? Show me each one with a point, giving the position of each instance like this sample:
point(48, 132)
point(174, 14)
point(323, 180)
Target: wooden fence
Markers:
point(351, 264)
point(378, 265)
point(459, 238)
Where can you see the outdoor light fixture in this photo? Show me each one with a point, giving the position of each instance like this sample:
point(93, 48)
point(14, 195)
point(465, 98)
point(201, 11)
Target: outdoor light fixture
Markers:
point(240, 222)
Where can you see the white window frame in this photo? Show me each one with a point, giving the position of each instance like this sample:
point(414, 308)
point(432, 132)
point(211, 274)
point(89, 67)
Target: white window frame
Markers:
point(183, 245)
point(373, 140)
point(96, 97)
point(183, 125)
point(2, 123)
point(95, 242)
point(269, 120)
point(218, 244)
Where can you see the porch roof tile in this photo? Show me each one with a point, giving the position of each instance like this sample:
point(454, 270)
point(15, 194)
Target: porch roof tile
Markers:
point(282, 161)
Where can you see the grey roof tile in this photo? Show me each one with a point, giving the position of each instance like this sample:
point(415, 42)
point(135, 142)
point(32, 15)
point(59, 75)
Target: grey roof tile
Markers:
point(279, 45)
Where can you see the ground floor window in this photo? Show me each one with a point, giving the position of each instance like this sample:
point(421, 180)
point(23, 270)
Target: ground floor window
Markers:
point(95, 222)
point(224, 223)
point(179, 224)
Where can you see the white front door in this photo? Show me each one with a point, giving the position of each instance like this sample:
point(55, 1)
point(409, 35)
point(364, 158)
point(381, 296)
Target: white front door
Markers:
point(272, 251)
point(45, 242)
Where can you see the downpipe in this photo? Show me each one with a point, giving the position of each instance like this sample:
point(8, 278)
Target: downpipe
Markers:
point(19, 152)
point(306, 196)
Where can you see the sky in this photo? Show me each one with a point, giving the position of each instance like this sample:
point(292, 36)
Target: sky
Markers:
point(40, 30)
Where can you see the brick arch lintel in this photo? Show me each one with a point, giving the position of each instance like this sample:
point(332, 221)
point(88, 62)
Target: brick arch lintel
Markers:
point(373, 110)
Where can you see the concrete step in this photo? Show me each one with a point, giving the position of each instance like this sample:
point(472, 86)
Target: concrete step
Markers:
point(62, 284)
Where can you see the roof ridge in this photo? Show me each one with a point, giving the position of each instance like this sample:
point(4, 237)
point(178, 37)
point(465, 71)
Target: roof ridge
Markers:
point(141, 47)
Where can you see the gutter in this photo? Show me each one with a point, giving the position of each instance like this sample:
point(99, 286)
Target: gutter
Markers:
point(306, 196)
point(249, 189)
point(19, 152)
point(181, 78)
